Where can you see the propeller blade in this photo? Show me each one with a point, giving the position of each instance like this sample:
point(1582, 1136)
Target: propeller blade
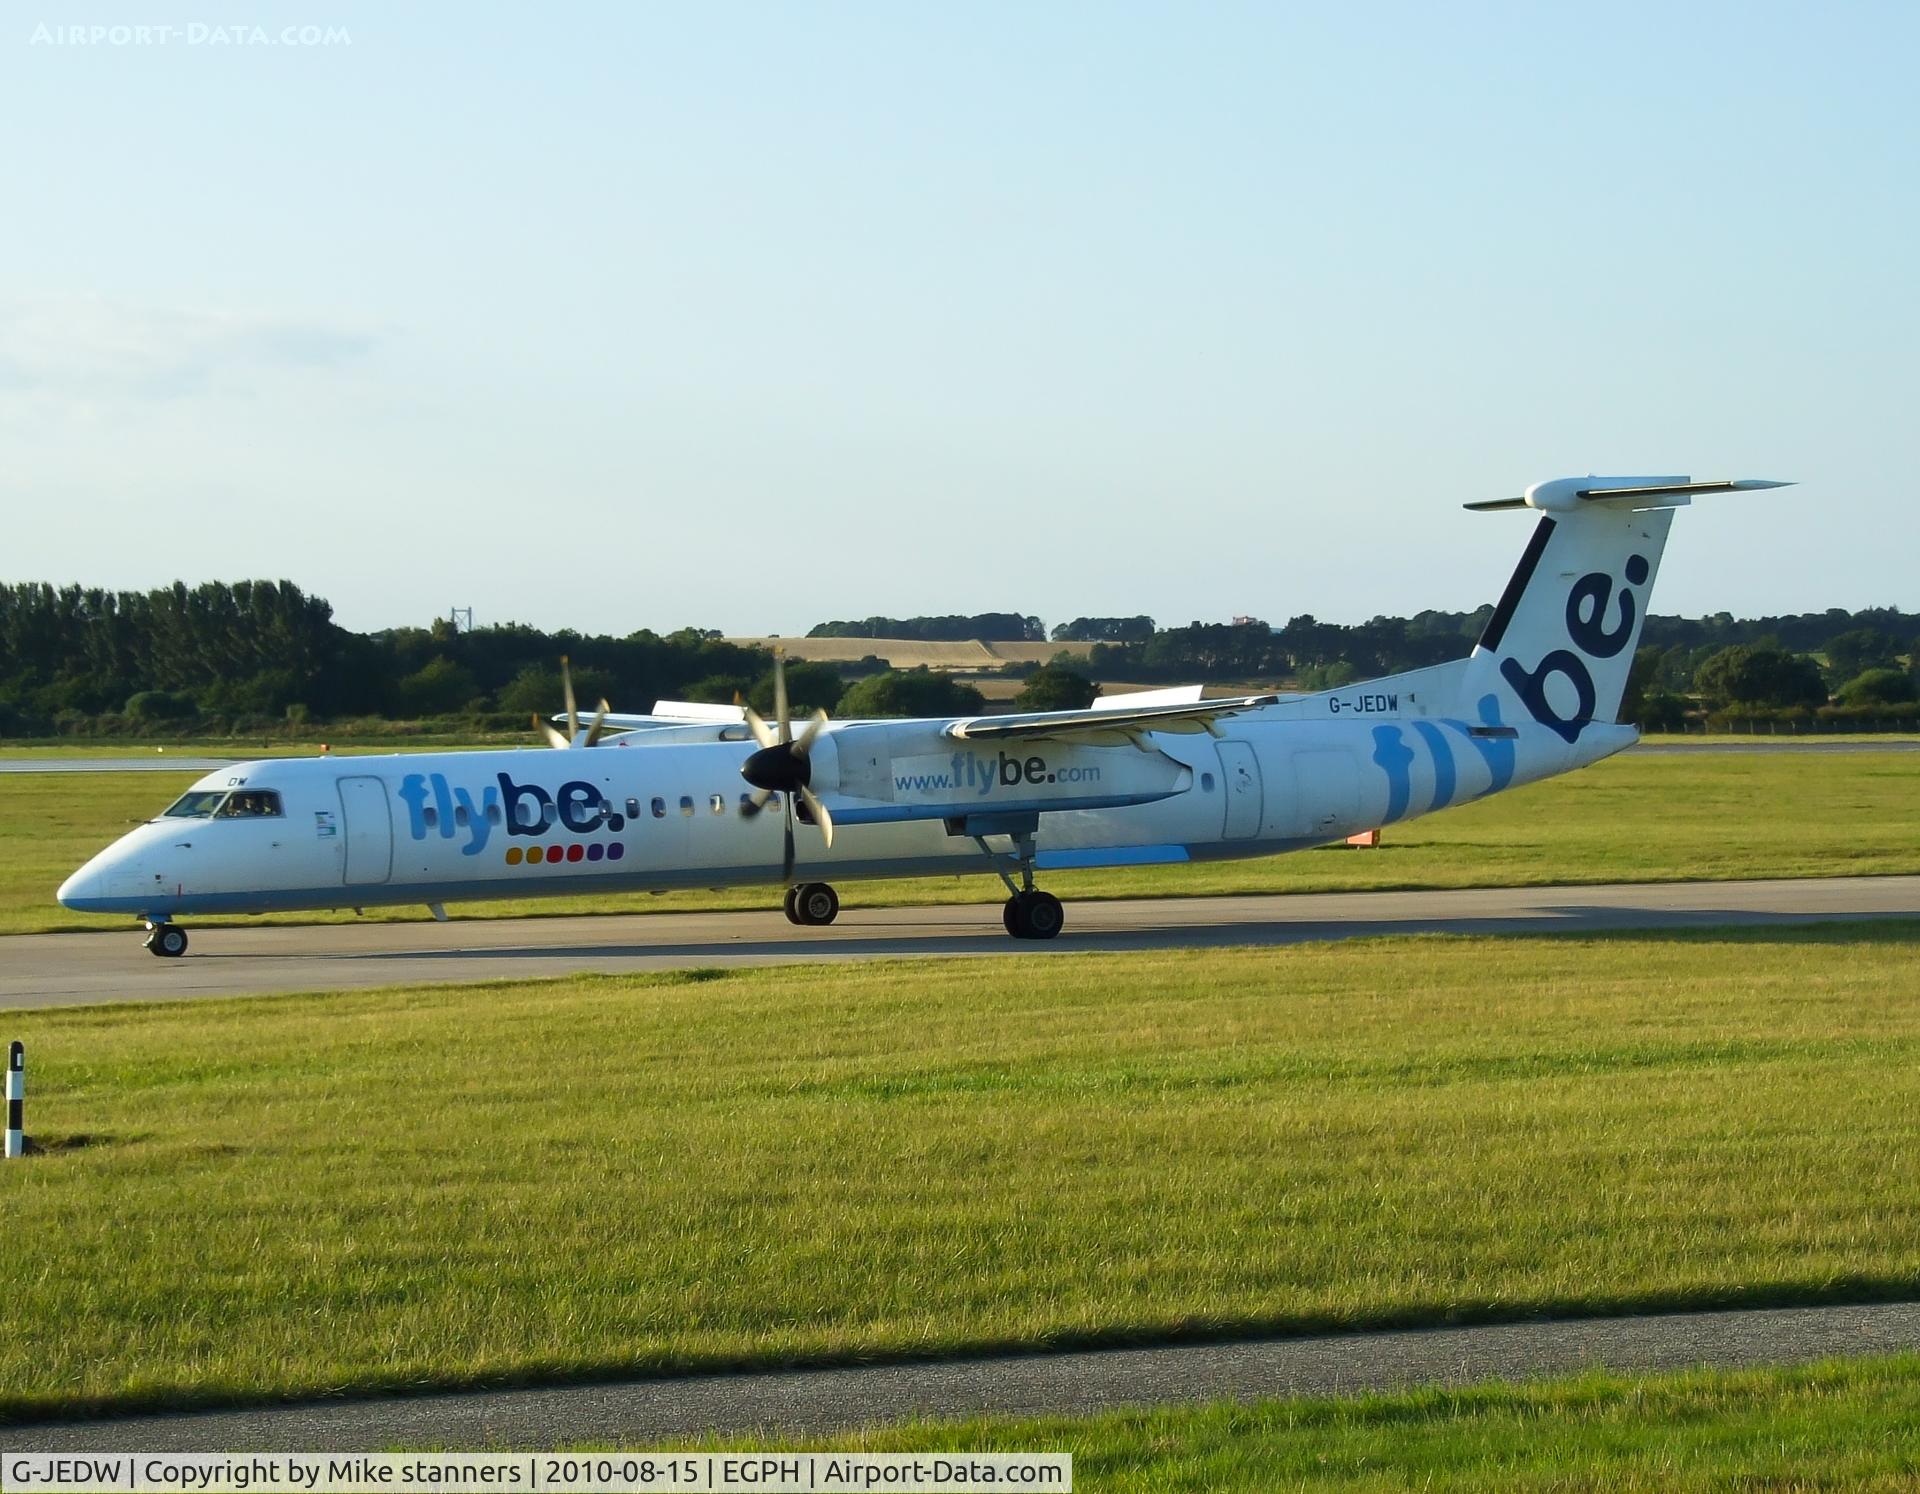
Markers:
point(819, 813)
point(554, 738)
point(782, 717)
point(599, 721)
point(573, 711)
point(786, 854)
point(762, 733)
point(814, 722)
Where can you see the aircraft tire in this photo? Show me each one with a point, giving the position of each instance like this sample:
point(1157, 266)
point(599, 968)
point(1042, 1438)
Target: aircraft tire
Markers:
point(793, 913)
point(816, 903)
point(1034, 915)
point(169, 941)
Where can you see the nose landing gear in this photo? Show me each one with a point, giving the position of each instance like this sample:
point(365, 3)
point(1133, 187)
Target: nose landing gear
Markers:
point(168, 940)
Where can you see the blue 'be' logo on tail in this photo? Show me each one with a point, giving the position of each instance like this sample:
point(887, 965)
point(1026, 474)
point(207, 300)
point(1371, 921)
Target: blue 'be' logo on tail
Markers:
point(1587, 606)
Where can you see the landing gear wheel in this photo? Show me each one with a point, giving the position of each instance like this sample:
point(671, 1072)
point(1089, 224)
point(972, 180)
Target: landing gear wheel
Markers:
point(815, 904)
point(1033, 915)
point(793, 913)
point(167, 940)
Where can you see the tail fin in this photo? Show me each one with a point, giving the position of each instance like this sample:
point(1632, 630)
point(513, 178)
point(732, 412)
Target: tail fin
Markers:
point(1561, 639)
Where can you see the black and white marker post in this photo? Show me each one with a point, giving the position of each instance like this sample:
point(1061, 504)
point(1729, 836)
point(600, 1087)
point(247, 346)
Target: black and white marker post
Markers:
point(16, 1099)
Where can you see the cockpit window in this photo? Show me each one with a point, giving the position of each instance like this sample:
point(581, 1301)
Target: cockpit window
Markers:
point(198, 805)
point(250, 804)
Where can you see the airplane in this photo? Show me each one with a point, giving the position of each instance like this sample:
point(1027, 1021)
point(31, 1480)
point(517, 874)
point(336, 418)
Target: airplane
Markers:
point(682, 797)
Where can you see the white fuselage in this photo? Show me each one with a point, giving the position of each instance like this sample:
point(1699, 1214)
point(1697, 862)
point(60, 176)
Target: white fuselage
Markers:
point(663, 809)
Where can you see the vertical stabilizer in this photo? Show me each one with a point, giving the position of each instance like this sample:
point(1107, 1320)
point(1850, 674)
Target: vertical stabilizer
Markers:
point(1561, 640)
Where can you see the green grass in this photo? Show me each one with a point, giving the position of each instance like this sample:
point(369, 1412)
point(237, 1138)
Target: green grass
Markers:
point(1852, 1424)
point(607, 1176)
point(1630, 819)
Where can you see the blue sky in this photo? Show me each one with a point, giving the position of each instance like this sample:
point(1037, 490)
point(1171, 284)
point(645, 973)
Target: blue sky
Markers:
point(749, 316)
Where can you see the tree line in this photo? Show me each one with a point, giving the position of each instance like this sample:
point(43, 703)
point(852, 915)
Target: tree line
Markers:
point(986, 627)
point(246, 654)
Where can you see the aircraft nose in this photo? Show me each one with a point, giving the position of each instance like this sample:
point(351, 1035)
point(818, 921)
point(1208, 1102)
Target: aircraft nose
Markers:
point(83, 888)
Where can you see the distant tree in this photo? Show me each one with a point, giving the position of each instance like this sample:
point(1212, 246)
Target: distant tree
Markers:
point(1757, 675)
point(438, 688)
point(1056, 687)
point(1878, 687)
point(534, 691)
point(718, 689)
point(159, 705)
point(1645, 670)
point(1659, 710)
point(910, 692)
point(1853, 653)
point(810, 687)
point(1328, 676)
point(1105, 630)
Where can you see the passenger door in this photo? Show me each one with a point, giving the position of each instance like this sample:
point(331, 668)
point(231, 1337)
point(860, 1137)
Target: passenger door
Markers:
point(369, 824)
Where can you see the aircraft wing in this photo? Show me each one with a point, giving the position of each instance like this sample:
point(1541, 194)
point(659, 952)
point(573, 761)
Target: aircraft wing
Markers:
point(1118, 725)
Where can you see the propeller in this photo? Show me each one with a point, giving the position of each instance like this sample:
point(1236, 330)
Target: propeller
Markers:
point(573, 736)
point(782, 766)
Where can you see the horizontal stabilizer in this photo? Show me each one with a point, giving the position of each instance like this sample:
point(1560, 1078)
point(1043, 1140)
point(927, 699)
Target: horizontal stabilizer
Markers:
point(1566, 492)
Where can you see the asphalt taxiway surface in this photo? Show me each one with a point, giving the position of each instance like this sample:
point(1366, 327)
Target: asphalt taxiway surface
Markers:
point(805, 1402)
point(82, 969)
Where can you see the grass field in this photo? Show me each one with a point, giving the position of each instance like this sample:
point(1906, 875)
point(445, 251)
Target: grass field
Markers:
point(1630, 819)
point(1852, 1424)
point(601, 1176)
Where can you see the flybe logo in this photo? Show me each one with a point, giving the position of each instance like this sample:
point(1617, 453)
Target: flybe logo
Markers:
point(435, 806)
point(1588, 628)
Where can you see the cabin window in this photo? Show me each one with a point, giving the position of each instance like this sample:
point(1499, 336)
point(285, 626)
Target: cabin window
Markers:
point(719, 803)
point(746, 804)
point(430, 816)
point(633, 809)
point(460, 815)
point(1206, 783)
point(686, 805)
point(253, 804)
point(198, 805)
point(659, 809)
point(493, 814)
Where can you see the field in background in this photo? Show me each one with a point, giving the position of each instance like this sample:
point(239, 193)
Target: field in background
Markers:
point(1632, 818)
point(592, 1176)
point(1851, 1424)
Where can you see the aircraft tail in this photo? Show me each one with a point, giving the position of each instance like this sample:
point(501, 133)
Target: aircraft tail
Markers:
point(1561, 640)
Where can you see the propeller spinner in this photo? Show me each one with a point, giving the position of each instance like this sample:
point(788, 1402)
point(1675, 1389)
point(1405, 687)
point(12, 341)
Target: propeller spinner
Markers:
point(782, 765)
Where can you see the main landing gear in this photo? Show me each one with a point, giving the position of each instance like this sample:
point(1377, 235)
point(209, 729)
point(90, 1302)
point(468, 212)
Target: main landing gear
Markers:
point(168, 940)
point(1029, 913)
point(1033, 914)
point(813, 904)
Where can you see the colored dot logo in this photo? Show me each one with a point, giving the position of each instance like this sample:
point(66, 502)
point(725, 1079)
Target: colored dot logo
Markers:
point(562, 855)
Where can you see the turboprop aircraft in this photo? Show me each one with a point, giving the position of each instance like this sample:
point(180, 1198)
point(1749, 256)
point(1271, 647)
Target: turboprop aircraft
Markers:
point(683, 797)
